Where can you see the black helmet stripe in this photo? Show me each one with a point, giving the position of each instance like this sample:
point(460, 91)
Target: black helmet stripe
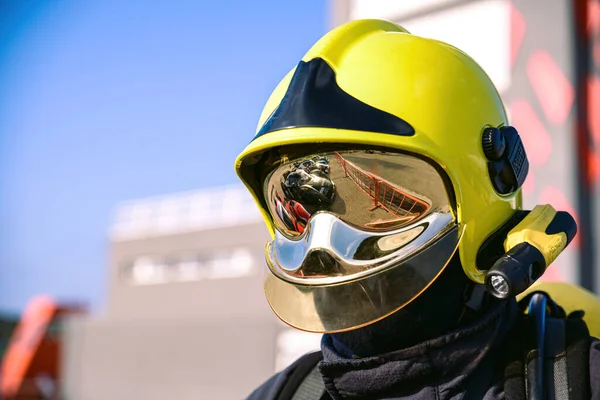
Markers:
point(314, 99)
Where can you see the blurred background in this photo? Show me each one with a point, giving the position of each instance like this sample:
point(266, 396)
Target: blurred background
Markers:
point(131, 259)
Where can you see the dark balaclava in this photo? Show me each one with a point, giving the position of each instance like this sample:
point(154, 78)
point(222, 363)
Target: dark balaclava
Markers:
point(439, 309)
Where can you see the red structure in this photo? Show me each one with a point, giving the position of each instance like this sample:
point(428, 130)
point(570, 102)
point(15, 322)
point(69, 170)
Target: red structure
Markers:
point(31, 364)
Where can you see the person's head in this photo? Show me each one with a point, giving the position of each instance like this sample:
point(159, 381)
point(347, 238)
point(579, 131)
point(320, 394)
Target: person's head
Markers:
point(400, 150)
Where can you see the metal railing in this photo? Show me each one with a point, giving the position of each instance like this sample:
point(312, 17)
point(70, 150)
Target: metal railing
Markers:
point(383, 193)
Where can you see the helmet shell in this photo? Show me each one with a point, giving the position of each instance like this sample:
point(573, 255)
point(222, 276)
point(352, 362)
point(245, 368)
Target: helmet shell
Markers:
point(439, 90)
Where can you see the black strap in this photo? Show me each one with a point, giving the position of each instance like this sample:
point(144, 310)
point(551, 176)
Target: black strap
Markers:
point(555, 372)
point(304, 366)
point(312, 387)
point(535, 364)
point(567, 374)
point(578, 341)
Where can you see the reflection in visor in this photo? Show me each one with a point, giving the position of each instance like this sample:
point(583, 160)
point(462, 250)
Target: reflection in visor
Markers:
point(371, 190)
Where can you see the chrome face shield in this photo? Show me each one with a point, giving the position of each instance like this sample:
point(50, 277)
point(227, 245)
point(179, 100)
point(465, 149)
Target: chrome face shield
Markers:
point(333, 252)
point(359, 234)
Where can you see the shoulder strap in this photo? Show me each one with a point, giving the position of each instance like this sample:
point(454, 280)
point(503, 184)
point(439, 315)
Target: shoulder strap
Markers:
point(554, 353)
point(578, 342)
point(304, 383)
point(312, 387)
point(567, 374)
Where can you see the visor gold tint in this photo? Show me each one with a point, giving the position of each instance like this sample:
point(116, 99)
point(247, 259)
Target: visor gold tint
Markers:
point(356, 303)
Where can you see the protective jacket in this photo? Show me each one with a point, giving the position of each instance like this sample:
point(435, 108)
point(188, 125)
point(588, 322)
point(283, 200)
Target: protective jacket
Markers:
point(473, 362)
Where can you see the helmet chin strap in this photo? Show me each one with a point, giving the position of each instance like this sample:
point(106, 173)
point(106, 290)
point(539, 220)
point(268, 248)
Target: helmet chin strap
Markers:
point(476, 300)
point(452, 300)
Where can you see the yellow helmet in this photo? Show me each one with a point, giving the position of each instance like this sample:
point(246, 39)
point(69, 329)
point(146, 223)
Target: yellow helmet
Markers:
point(441, 91)
point(371, 83)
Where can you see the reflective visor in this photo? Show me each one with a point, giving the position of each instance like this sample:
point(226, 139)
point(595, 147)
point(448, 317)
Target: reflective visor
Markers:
point(370, 190)
point(359, 234)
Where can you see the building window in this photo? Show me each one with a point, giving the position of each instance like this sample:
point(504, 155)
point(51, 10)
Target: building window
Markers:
point(230, 265)
point(148, 271)
point(188, 267)
point(185, 267)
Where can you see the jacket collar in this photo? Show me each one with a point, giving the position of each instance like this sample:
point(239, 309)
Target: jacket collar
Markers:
point(443, 363)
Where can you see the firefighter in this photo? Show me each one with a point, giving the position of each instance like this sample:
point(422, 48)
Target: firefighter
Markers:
point(412, 268)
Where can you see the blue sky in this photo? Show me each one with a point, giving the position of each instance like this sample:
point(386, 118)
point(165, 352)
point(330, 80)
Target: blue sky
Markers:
point(106, 100)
